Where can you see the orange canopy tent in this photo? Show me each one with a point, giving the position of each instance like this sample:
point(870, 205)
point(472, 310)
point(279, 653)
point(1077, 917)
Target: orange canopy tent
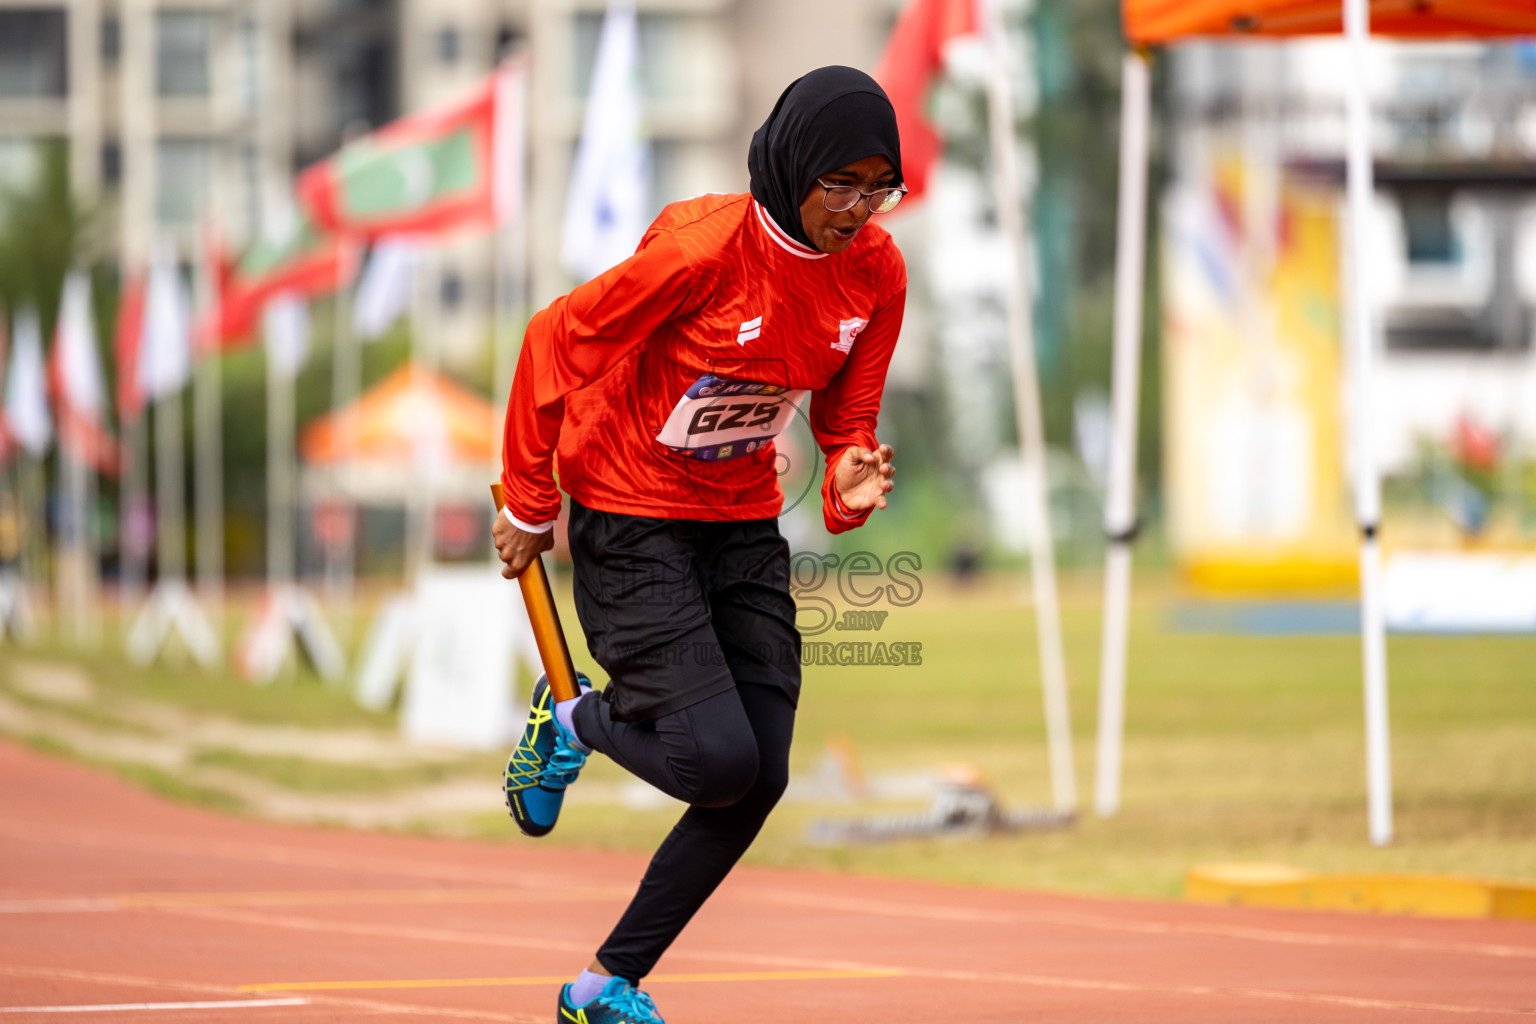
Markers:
point(1154, 22)
point(388, 422)
point(1150, 23)
point(411, 421)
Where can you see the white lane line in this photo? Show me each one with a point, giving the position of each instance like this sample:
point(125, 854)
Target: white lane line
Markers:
point(347, 863)
point(222, 1004)
point(415, 1010)
point(62, 906)
point(971, 915)
point(315, 897)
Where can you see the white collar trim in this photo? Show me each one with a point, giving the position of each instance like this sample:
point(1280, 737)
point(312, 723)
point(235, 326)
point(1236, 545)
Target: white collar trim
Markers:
point(777, 234)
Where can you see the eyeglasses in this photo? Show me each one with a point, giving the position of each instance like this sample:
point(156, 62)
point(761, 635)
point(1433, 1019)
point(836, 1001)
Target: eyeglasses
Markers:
point(838, 198)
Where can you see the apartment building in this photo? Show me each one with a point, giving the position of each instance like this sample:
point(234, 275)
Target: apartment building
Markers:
point(175, 108)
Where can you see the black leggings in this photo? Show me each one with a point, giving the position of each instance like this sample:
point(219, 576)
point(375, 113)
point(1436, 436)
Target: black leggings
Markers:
point(727, 756)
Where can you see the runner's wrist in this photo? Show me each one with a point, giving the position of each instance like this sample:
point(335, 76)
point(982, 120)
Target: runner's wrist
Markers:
point(525, 526)
point(840, 505)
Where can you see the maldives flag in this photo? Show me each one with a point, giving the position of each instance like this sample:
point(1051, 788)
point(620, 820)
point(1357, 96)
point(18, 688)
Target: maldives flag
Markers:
point(292, 256)
point(913, 58)
point(428, 173)
point(74, 376)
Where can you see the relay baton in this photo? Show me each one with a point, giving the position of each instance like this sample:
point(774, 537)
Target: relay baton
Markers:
point(540, 602)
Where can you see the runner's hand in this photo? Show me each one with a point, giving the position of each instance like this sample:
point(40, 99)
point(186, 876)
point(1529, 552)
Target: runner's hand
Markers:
point(863, 477)
point(518, 548)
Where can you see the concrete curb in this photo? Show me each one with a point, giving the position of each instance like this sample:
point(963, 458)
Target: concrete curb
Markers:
point(1276, 885)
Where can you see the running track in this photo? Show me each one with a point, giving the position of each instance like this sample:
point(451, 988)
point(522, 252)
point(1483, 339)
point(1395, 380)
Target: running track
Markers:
point(148, 911)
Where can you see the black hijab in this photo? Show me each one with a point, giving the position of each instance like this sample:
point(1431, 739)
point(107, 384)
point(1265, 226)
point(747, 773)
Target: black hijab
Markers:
point(825, 120)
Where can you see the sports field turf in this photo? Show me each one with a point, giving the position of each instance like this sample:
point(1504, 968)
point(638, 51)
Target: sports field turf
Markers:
point(1237, 748)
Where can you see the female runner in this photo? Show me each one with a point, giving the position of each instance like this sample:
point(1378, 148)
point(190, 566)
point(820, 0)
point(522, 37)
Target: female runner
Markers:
point(657, 388)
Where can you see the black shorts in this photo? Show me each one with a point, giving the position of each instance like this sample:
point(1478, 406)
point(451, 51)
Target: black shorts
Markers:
point(677, 610)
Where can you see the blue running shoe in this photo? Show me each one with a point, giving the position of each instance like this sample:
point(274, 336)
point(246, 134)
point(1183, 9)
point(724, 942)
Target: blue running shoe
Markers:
point(546, 760)
point(618, 1003)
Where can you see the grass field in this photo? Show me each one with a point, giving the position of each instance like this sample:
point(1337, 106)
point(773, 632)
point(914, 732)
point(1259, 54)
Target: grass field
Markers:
point(1237, 748)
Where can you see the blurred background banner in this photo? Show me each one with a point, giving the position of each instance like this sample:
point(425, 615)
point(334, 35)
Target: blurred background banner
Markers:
point(1255, 437)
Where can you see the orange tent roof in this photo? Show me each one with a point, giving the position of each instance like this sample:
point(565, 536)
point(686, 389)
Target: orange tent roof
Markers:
point(408, 407)
point(1151, 22)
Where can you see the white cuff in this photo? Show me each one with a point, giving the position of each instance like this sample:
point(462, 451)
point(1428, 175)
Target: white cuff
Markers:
point(527, 527)
point(844, 513)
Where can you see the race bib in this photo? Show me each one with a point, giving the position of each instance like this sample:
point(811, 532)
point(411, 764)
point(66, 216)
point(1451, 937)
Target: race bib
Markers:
point(718, 418)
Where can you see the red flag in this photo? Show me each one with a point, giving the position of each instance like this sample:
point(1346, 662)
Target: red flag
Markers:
point(913, 57)
point(74, 377)
point(297, 259)
point(213, 275)
point(125, 344)
point(424, 174)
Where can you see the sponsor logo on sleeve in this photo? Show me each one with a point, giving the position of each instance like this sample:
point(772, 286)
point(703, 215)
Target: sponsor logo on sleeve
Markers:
point(847, 333)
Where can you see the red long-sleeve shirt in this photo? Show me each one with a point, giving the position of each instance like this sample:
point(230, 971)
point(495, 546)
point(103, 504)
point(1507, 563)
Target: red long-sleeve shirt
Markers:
point(715, 290)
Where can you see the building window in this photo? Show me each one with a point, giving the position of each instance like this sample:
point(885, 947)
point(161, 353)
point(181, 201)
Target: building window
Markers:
point(112, 162)
point(33, 54)
point(508, 39)
point(449, 46)
point(1428, 232)
point(451, 291)
point(111, 39)
point(183, 53)
point(184, 167)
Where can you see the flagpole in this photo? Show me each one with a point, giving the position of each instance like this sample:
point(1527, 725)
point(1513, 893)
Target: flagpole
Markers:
point(1361, 335)
point(137, 116)
point(72, 594)
point(280, 429)
point(32, 488)
point(208, 442)
point(77, 396)
point(346, 385)
point(91, 555)
point(14, 610)
point(170, 491)
point(1026, 388)
point(171, 608)
point(133, 561)
point(422, 500)
point(26, 410)
point(132, 496)
point(1120, 491)
point(510, 253)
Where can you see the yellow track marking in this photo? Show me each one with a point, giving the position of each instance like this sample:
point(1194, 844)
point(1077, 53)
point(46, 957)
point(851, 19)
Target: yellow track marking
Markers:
point(332, 986)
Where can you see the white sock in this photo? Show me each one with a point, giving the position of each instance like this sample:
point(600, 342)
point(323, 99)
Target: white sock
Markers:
point(565, 711)
point(585, 988)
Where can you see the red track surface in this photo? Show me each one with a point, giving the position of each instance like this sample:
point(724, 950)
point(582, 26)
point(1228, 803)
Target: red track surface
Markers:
point(110, 896)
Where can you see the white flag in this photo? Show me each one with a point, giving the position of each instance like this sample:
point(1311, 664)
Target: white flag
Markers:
point(26, 390)
point(384, 292)
point(606, 209)
point(165, 353)
point(77, 366)
point(286, 325)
